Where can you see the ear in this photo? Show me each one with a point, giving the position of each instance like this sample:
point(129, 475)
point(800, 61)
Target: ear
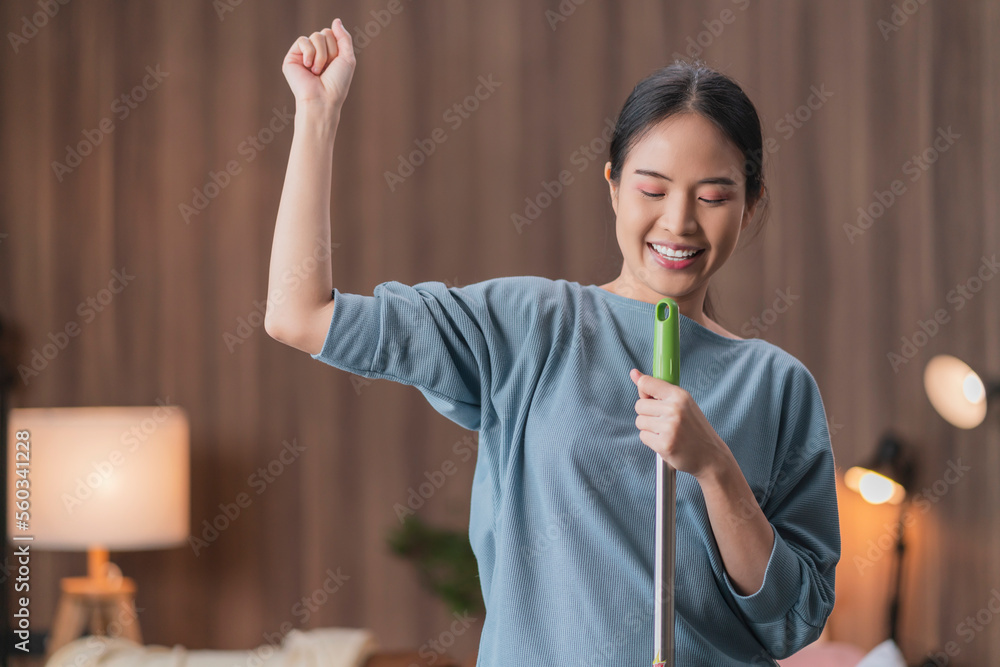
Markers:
point(612, 189)
point(747, 216)
point(748, 212)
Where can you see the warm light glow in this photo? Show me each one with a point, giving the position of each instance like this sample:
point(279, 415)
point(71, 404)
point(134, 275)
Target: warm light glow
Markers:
point(113, 477)
point(852, 477)
point(955, 391)
point(873, 487)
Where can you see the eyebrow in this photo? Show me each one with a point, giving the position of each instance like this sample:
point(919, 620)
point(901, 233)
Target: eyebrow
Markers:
point(717, 180)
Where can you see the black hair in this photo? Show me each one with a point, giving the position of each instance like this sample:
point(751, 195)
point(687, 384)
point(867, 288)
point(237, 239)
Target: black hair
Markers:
point(684, 87)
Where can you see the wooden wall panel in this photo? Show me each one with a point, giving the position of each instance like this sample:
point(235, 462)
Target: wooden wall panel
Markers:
point(165, 336)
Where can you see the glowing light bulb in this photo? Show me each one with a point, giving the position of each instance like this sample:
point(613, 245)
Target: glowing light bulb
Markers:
point(876, 488)
point(973, 389)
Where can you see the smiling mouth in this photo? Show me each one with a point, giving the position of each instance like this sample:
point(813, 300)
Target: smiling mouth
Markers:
point(674, 256)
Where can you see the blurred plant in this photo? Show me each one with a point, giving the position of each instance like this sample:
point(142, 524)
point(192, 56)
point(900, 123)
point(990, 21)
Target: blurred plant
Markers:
point(445, 561)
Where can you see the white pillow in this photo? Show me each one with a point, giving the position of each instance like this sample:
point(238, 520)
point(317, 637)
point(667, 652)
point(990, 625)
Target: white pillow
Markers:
point(885, 654)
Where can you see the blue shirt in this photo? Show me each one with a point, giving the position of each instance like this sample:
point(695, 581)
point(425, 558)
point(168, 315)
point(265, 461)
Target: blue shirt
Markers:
point(562, 515)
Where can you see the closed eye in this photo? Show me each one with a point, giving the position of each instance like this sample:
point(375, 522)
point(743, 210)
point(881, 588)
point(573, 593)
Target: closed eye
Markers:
point(657, 196)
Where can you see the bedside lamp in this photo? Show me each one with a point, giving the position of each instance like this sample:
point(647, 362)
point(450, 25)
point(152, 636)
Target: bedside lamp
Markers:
point(957, 392)
point(887, 477)
point(99, 479)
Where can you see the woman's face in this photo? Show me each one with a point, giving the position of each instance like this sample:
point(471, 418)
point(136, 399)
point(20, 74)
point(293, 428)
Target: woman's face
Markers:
point(682, 184)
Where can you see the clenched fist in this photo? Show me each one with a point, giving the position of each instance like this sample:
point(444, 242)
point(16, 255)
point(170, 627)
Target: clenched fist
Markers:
point(319, 68)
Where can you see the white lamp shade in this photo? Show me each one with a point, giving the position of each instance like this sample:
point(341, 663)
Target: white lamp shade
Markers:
point(110, 477)
point(955, 391)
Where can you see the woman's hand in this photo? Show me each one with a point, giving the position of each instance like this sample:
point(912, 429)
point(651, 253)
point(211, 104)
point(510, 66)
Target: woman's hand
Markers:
point(672, 425)
point(319, 68)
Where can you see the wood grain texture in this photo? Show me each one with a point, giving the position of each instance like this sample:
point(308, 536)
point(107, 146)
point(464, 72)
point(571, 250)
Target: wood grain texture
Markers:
point(198, 283)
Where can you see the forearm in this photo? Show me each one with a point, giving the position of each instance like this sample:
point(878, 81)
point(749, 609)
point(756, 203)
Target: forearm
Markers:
point(742, 532)
point(300, 277)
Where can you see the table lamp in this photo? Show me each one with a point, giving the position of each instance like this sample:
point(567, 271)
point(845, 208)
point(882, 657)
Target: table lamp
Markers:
point(99, 479)
point(957, 392)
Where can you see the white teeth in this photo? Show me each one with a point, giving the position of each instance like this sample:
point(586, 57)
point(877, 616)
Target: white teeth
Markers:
point(674, 254)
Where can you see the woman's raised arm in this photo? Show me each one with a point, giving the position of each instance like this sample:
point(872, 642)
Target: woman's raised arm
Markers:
point(318, 69)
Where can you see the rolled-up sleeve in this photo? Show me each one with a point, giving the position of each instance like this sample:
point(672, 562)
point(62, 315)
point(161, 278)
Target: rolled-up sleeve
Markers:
point(796, 597)
point(427, 335)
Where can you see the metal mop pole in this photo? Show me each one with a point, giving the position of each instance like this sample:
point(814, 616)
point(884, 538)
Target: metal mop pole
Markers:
point(666, 366)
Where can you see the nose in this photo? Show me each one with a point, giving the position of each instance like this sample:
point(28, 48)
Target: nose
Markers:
point(678, 216)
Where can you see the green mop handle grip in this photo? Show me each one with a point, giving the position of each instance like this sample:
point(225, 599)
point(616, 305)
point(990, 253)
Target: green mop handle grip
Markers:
point(666, 366)
point(666, 342)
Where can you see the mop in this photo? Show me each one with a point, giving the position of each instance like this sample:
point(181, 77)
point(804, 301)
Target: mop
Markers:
point(666, 366)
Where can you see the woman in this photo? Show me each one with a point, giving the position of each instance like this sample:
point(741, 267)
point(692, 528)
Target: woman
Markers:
point(562, 513)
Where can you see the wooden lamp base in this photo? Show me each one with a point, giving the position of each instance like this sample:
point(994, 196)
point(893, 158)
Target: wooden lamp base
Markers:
point(106, 604)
